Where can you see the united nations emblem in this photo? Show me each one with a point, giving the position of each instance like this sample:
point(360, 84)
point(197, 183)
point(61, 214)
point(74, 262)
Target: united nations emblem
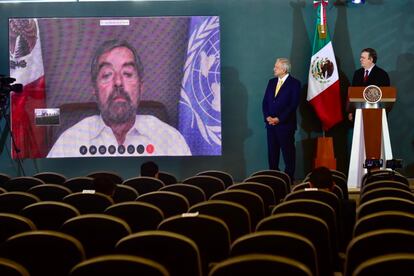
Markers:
point(322, 69)
point(200, 92)
point(372, 94)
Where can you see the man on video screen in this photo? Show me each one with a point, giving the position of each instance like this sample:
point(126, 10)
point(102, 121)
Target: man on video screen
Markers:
point(117, 74)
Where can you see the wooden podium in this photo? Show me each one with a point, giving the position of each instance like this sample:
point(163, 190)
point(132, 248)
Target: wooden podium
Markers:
point(371, 137)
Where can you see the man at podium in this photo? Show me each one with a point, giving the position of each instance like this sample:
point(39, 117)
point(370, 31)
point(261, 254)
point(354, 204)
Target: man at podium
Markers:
point(370, 134)
point(369, 73)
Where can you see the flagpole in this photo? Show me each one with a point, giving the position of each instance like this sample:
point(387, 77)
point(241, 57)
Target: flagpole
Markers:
point(322, 84)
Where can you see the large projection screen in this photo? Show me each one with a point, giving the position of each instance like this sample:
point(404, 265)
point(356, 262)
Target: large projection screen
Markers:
point(103, 86)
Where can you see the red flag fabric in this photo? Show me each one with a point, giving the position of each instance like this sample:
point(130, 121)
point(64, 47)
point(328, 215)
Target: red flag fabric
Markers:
point(26, 66)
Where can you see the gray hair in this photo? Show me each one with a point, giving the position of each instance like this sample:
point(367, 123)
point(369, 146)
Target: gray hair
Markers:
point(108, 46)
point(285, 64)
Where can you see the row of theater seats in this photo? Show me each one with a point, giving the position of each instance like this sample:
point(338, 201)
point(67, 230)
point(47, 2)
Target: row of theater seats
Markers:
point(303, 235)
point(383, 235)
point(150, 216)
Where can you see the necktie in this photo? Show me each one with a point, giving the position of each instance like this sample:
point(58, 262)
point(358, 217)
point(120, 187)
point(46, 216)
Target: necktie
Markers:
point(366, 76)
point(279, 84)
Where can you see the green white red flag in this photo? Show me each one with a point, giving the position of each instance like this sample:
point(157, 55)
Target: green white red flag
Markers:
point(26, 66)
point(323, 81)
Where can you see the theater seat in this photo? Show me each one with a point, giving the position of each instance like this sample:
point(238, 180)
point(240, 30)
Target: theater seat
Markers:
point(251, 201)
point(11, 268)
point(377, 243)
point(192, 193)
point(170, 203)
point(14, 202)
point(51, 177)
point(98, 233)
point(49, 215)
point(209, 233)
point(115, 177)
point(143, 184)
point(119, 265)
point(139, 215)
point(78, 184)
point(390, 264)
point(44, 253)
point(260, 264)
point(278, 185)
point(3, 179)
point(167, 178)
point(124, 193)
point(162, 247)
point(262, 190)
point(209, 184)
point(276, 173)
point(53, 192)
point(12, 224)
point(225, 177)
point(88, 203)
point(235, 215)
point(281, 243)
point(311, 227)
point(22, 183)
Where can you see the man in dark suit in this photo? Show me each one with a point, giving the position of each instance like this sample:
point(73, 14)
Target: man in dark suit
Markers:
point(280, 102)
point(369, 73)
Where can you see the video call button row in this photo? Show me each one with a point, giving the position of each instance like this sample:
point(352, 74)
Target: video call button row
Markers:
point(121, 149)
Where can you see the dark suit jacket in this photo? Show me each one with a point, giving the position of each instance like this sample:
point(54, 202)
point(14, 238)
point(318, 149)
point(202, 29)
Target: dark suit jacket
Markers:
point(377, 77)
point(284, 105)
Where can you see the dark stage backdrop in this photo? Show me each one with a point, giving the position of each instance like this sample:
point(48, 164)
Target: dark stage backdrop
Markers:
point(253, 34)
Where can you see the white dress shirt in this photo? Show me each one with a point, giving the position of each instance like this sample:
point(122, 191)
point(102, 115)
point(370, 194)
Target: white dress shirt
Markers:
point(148, 136)
point(369, 70)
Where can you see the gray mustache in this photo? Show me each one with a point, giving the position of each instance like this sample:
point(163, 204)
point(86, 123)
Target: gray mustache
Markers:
point(119, 92)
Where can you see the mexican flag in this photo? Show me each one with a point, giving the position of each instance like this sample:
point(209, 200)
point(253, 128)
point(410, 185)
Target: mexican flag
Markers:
point(26, 66)
point(323, 81)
